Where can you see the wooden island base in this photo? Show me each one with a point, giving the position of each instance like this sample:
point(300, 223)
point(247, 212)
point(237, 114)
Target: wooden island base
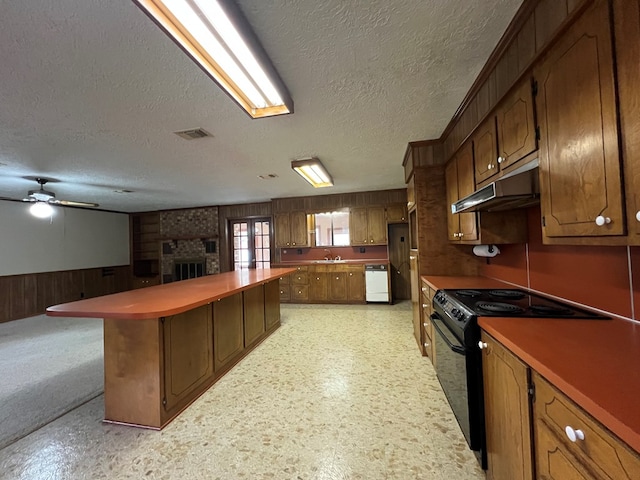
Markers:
point(156, 364)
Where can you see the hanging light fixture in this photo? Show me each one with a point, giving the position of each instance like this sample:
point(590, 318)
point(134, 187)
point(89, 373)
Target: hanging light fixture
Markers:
point(41, 210)
point(216, 35)
point(312, 170)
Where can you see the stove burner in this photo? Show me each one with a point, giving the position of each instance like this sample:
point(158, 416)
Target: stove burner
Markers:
point(511, 294)
point(497, 307)
point(550, 310)
point(469, 293)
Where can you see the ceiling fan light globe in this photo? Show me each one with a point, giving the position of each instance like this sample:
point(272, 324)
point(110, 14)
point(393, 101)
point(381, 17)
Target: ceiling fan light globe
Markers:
point(41, 210)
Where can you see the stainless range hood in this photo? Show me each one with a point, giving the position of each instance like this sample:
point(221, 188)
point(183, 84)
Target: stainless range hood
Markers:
point(518, 189)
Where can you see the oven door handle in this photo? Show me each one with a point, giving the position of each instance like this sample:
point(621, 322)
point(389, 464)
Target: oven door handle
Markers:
point(435, 319)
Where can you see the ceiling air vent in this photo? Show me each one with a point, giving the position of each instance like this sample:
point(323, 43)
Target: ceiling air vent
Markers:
point(193, 133)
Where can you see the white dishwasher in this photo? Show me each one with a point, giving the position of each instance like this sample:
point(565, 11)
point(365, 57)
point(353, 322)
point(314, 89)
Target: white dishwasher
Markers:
point(377, 283)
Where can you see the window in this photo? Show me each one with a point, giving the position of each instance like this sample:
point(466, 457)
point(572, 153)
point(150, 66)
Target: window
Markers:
point(251, 243)
point(332, 229)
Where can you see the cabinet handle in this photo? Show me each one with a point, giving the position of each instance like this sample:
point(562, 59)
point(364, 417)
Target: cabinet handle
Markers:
point(372, 240)
point(461, 235)
point(424, 289)
point(281, 292)
point(482, 345)
point(600, 220)
point(490, 166)
point(337, 278)
point(638, 215)
point(317, 278)
point(293, 243)
point(426, 345)
point(424, 305)
point(500, 159)
point(425, 324)
point(351, 274)
point(456, 235)
point(574, 435)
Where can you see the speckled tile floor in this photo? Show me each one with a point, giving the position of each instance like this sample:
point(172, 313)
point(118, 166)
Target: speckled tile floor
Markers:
point(338, 392)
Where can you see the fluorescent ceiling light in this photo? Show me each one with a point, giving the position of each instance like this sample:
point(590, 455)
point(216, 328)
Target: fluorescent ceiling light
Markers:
point(215, 34)
point(312, 170)
point(41, 210)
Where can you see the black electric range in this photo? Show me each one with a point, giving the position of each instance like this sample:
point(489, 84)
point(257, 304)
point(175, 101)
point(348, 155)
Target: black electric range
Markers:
point(456, 337)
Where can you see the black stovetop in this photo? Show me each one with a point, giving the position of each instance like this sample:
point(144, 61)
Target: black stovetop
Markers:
point(517, 303)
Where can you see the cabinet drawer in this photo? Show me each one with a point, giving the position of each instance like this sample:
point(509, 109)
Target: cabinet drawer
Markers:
point(286, 280)
point(300, 278)
point(599, 452)
point(300, 292)
point(302, 268)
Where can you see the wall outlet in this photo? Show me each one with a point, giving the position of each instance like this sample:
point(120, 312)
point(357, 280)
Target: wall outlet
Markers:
point(299, 251)
point(362, 249)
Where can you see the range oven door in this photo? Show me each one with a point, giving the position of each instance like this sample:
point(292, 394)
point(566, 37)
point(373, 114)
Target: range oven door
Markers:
point(460, 373)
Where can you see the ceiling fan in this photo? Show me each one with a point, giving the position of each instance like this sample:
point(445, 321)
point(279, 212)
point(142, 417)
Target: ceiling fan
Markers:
point(43, 195)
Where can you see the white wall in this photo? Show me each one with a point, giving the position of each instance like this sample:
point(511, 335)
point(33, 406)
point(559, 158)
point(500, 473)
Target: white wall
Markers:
point(73, 239)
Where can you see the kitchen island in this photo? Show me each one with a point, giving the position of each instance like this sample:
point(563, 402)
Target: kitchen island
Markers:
point(166, 345)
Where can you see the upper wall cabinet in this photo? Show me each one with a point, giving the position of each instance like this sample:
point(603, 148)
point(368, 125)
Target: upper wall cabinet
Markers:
point(397, 213)
point(627, 26)
point(368, 226)
point(462, 227)
point(580, 177)
point(509, 136)
point(291, 229)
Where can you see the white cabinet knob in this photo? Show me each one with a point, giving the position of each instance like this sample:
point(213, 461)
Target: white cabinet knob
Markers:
point(424, 305)
point(490, 166)
point(461, 235)
point(638, 215)
point(426, 345)
point(500, 159)
point(574, 435)
point(600, 220)
point(482, 345)
point(425, 324)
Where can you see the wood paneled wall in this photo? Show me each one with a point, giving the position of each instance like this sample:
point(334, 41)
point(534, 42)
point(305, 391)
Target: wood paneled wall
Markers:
point(30, 294)
point(323, 203)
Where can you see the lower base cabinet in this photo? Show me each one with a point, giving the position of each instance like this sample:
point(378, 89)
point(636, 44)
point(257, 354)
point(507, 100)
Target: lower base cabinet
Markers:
point(507, 413)
point(595, 453)
point(336, 283)
point(528, 433)
point(170, 361)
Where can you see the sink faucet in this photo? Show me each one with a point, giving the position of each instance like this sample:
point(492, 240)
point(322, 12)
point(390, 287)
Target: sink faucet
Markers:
point(330, 257)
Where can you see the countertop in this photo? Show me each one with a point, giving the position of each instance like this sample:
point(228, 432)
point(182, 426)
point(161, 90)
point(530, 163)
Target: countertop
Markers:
point(167, 299)
point(596, 363)
point(370, 261)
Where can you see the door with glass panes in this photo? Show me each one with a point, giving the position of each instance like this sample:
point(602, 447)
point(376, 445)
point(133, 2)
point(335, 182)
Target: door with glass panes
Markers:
point(251, 243)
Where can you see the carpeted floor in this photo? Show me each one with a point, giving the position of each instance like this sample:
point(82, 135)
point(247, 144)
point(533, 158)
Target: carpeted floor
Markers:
point(48, 366)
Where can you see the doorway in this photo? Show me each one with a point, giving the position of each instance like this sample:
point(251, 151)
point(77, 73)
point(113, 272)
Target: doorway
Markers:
point(399, 260)
point(250, 243)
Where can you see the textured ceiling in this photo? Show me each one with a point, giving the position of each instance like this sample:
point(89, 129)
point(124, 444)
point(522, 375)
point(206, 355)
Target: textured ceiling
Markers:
point(91, 91)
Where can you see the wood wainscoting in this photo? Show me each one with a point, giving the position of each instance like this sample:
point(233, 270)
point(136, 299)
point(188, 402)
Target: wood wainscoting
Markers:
point(30, 294)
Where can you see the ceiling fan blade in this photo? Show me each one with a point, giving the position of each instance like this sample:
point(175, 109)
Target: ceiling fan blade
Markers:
point(71, 203)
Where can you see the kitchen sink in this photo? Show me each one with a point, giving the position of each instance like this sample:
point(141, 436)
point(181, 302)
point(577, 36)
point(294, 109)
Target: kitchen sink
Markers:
point(329, 261)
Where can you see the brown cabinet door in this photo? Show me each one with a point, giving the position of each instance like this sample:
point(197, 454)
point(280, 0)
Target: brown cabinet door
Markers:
point(397, 214)
point(377, 225)
point(228, 331)
point(415, 299)
point(451, 180)
point(337, 286)
point(627, 27)
point(282, 229)
point(298, 223)
point(253, 314)
point(515, 126)
point(507, 413)
point(485, 150)
point(358, 231)
point(580, 180)
point(318, 291)
point(355, 283)
point(272, 304)
point(466, 185)
point(188, 354)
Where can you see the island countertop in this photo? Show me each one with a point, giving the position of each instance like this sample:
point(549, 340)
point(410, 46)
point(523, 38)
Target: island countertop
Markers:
point(167, 299)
